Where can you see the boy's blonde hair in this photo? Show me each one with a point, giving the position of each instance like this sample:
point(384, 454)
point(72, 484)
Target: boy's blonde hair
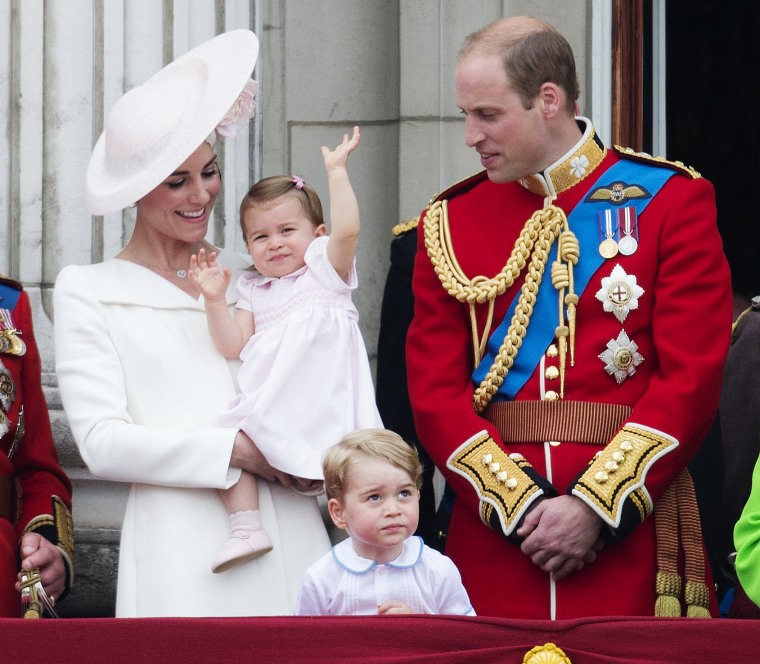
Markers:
point(373, 443)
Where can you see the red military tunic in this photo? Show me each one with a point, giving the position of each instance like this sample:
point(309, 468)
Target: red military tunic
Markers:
point(36, 493)
point(663, 387)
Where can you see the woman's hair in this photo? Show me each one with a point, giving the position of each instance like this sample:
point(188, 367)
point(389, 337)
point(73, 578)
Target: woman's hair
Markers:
point(367, 443)
point(533, 54)
point(270, 189)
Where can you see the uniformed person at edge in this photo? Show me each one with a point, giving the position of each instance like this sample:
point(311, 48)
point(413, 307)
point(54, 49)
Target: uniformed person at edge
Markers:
point(36, 532)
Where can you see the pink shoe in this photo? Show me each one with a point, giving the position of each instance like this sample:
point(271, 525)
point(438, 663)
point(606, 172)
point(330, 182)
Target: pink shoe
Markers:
point(248, 540)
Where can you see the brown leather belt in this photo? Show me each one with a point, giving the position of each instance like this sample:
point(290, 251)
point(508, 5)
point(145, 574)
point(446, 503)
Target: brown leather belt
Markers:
point(561, 421)
point(6, 486)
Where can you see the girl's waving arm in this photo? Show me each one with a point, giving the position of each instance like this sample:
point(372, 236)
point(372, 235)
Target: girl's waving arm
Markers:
point(229, 333)
point(344, 208)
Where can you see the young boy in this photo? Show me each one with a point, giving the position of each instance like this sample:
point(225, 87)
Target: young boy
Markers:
point(372, 480)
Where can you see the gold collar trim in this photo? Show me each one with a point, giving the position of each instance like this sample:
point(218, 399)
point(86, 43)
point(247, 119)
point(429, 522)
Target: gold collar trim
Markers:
point(574, 166)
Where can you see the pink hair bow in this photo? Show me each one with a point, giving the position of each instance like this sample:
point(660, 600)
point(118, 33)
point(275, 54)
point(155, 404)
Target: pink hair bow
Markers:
point(298, 182)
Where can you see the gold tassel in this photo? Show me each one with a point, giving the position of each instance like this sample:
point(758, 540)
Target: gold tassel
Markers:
point(668, 589)
point(562, 333)
point(571, 300)
point(697, 597)
point(569, 251)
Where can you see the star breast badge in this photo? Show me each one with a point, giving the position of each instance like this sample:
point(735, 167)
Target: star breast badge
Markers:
point(619, 293)
point(621, 357)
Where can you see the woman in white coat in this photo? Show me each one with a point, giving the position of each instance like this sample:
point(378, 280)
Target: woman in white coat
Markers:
point(140, 379)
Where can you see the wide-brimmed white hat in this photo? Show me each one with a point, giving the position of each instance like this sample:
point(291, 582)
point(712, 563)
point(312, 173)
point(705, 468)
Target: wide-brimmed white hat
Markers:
point(156, 126)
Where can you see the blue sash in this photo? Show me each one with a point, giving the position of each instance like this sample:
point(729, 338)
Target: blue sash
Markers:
point(9, 297)
point(543, 322)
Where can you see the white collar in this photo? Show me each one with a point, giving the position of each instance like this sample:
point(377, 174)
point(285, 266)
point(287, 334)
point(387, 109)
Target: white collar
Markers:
point(260, 279)
point(345, 555)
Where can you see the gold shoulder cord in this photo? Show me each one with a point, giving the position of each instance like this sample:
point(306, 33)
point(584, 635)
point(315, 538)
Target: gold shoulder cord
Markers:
point(534, 243)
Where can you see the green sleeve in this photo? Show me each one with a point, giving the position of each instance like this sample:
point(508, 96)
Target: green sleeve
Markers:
point(747, 541)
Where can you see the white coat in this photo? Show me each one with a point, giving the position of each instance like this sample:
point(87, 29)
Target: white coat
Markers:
point(142, 386)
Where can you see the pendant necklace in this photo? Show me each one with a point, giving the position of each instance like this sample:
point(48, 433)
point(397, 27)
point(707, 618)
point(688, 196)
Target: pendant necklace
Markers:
point(181, 273)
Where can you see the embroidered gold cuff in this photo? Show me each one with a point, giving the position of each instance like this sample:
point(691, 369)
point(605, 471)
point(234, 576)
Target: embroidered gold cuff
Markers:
point(64, 525)
point(498, 478)
point(58, 527)
point(640, 499)
point(619, 471)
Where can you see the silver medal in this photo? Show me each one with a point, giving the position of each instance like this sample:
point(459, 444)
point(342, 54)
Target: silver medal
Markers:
point(628, 243)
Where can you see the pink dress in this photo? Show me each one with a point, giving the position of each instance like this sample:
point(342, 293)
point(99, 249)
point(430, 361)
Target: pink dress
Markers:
point(305, 381)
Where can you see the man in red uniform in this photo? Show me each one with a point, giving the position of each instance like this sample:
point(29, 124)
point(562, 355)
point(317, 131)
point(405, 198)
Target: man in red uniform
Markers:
point(35, 494)
point(572, 316)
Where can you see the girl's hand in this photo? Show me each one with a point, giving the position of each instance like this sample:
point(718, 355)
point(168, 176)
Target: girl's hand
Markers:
point(209, 277)
point(338, 158)
point(392, 606)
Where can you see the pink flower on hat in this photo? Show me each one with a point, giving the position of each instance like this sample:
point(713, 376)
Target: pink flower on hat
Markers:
point(241, 111)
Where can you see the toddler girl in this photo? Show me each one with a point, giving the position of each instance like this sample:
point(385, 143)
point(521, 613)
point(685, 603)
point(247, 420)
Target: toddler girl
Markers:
point(305, 379)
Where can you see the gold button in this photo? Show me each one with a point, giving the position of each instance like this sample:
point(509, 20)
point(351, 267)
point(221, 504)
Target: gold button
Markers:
point(551, 395)
point(551, 373)
point(552, 351)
